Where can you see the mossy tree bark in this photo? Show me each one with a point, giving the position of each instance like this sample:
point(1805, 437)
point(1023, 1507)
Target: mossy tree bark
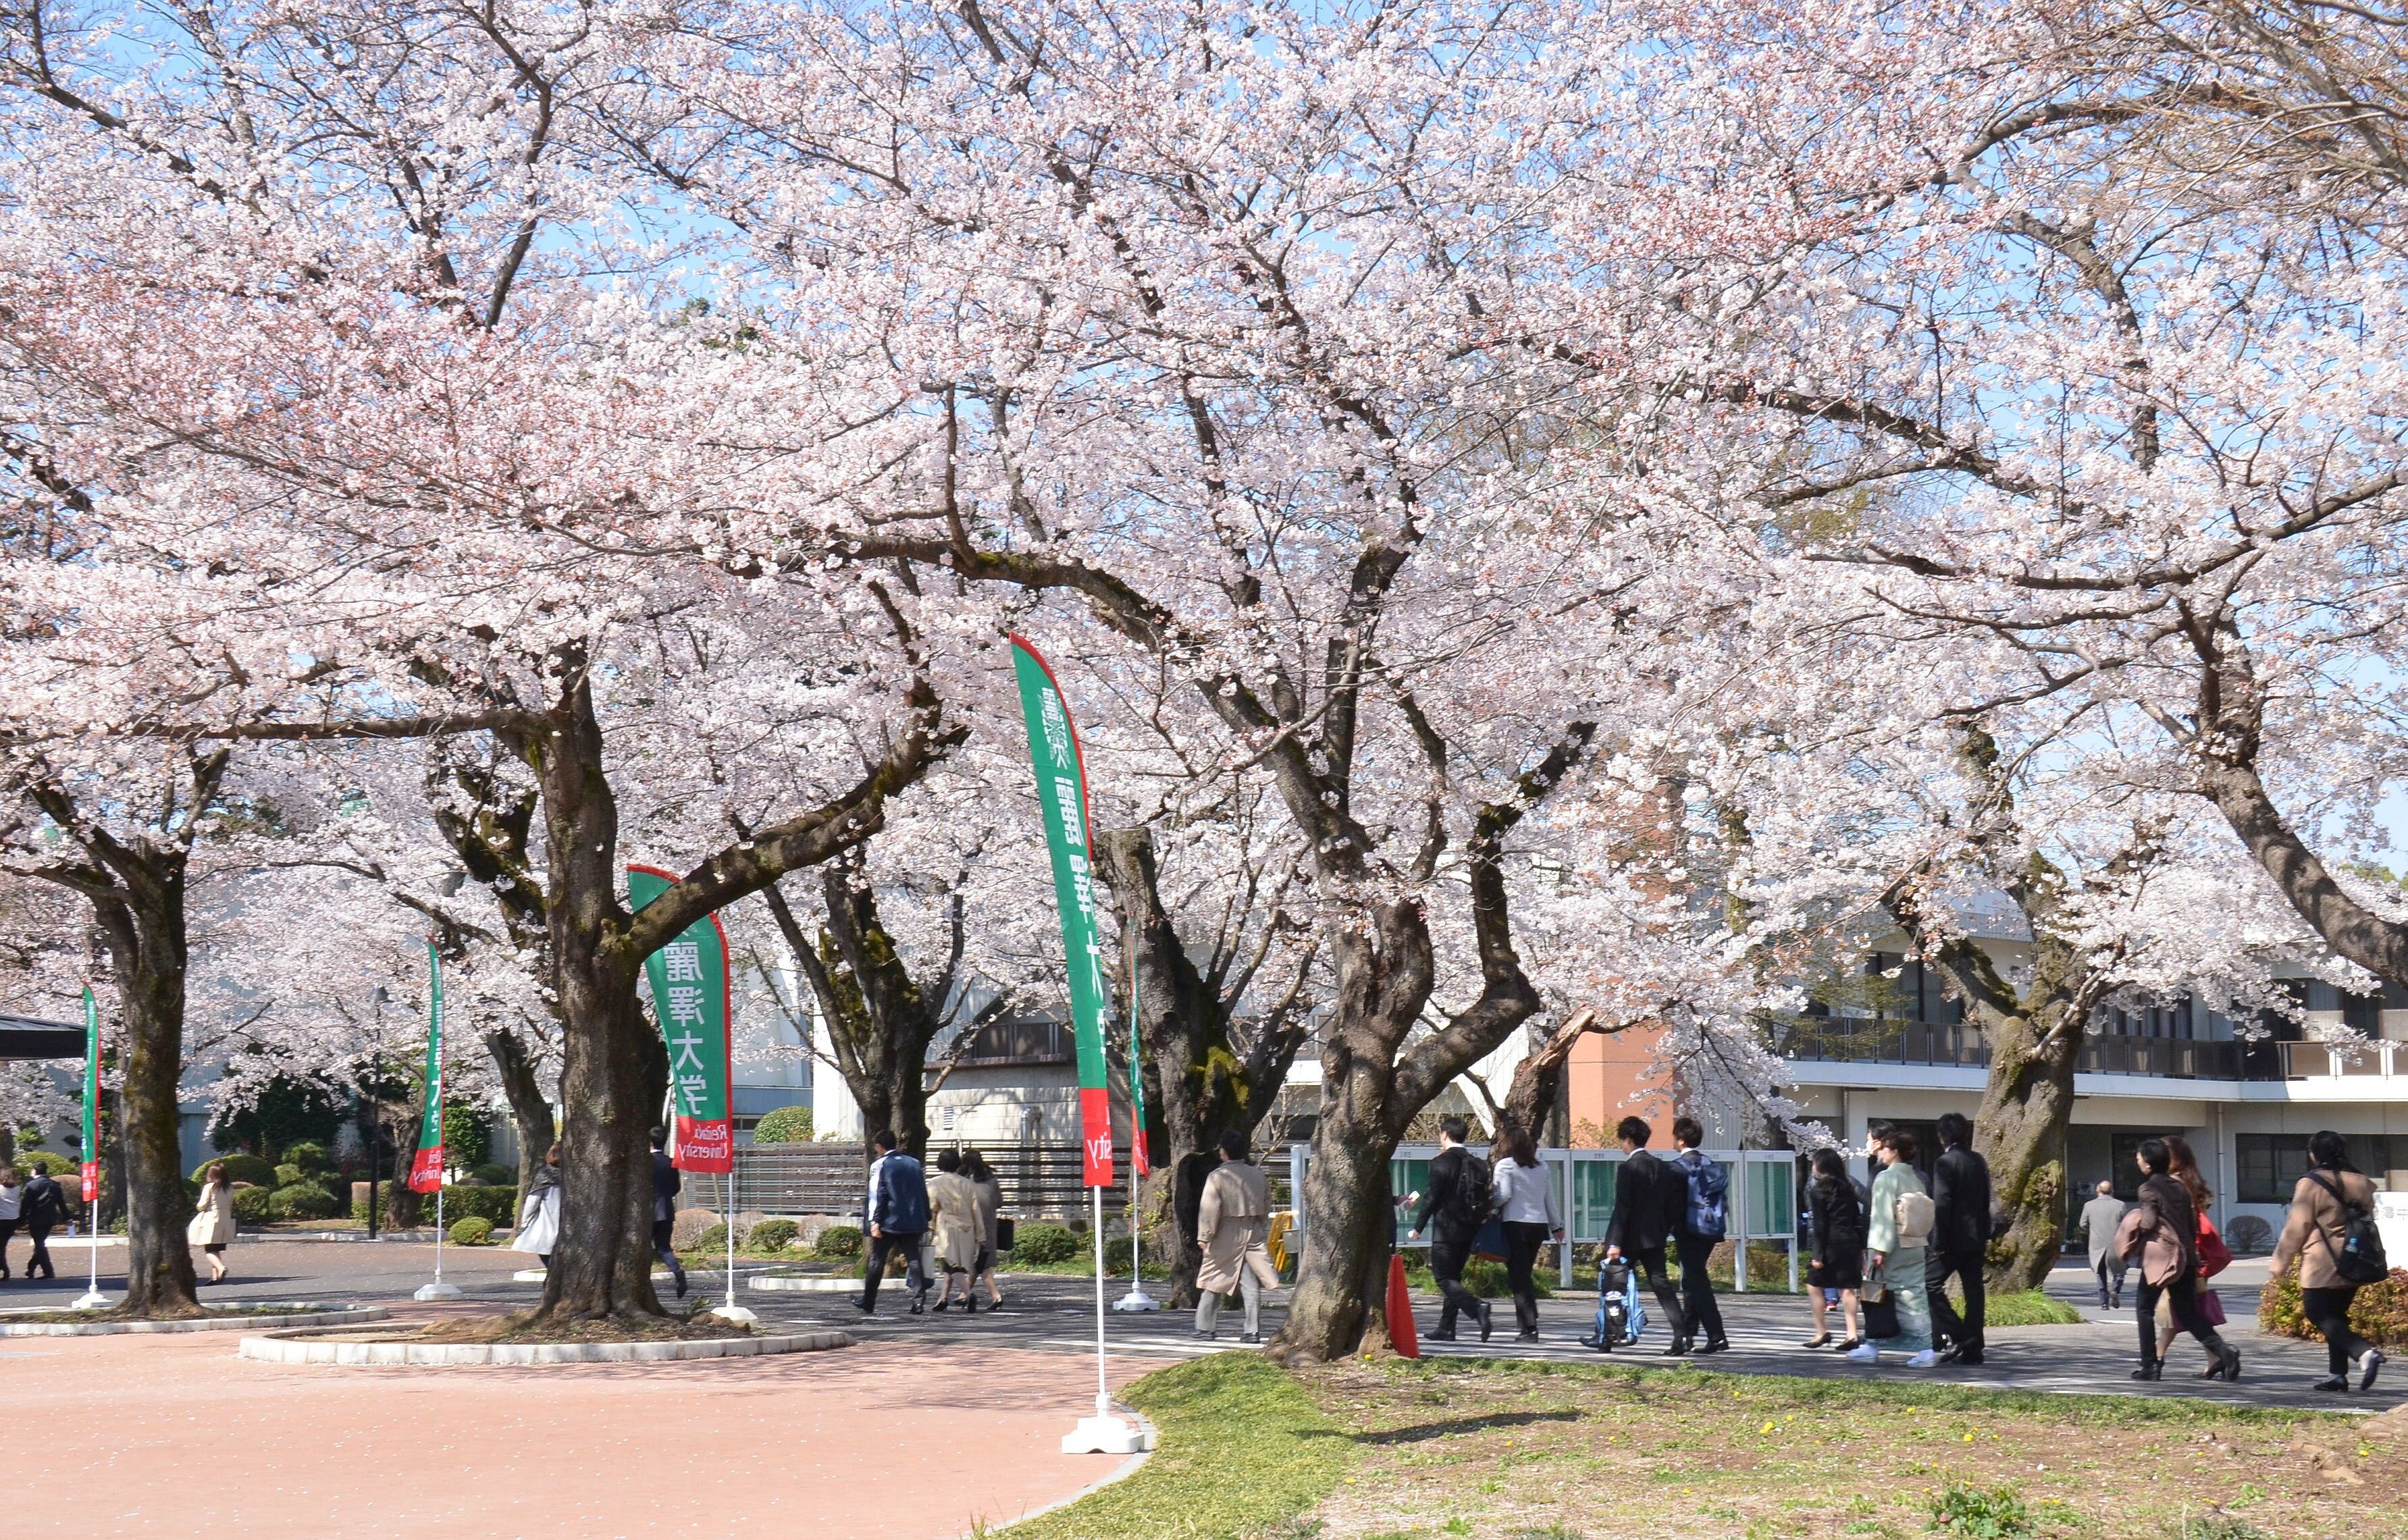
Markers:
point(1205, 1071)
point(136, 885)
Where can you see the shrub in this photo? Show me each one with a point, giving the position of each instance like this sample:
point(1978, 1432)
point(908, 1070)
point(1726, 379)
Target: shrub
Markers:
point(1044, 1242)
point(472, 1231)
point(497, 1176)
point(1977, 1515)
point(250, 1204)
point(713, 1240)
point(240, 1169)
point(771, 1236)
point(309, 1155)
point(839, 1241)
point(468, 1133)
point(2249, 1236)
point(1488, 1281)
point(2378, 1314)
point(489, 1204)
point(289, 1175)
point(786, 1125)
point(301, 1201)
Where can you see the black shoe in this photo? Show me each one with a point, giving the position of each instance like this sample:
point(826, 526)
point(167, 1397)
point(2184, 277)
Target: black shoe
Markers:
point(681, 1283)
point(1447, 1336)
point(2150, 1371)
point(1677, 1348)
point(1822, 1341)
point(2117, 1302)
point(1971, 1358)
point(1487, 1318)
point(1593, 1343)
point(1526, 1336)
point(1252, 1339)
point(2369, 1364)
point(995, 1305)
point(864, 1306)
point(2232, 1365)
point(1716, 1344)
point(2338, 1382)
point(919, 1307)
point(1952, 1354)
point(1208, 1337)
point(1848, 1347)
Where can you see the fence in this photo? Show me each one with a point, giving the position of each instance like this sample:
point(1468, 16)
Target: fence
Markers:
point(1039, 1181)
point(1761, 1208)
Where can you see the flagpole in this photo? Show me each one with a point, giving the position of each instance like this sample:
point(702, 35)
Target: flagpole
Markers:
point(1136, 1299)
point(439, 1289)
point(90, 1176)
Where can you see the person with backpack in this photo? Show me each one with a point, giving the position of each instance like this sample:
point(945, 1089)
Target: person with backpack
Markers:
point(1897, 1236)
point(2330, 1233)
point(1704, 1221)
point(1525, 1203)
point(1960, 1240)
point(1650, 1204)
point(1461, 1190)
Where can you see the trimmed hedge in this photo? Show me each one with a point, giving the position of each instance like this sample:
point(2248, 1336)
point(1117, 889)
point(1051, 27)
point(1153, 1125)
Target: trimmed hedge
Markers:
point(289, 1175)
point(839, 1241)
point(250, 1204)
point(298, 1201)
point(493, 1204)
point(786, 1125)
point(241, 1168)
point(497, 1176)
point(2378, 1314)
point(472, 1231)
point(771, 1235)
point(51, 1165)
point(310, 1156)
point(713, 1240)
point(1044, 1242)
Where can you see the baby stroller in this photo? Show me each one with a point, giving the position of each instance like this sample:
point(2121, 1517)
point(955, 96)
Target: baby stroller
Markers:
point(1620, 1317)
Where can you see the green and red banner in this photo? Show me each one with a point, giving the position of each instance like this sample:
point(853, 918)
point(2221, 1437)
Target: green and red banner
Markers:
point(426, 1169)
point(1062, 795)
point(91, 1099)
point(689, 978)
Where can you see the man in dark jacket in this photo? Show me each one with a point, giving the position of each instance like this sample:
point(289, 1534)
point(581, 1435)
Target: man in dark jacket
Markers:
point(44, 1209)
point(1458, 1199)
point(894, 1212)
point(1651, 1200)
point(666, 1185)
point(1960, 1239)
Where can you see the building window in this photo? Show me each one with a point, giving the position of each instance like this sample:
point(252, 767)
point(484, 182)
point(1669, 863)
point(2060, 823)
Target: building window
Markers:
point(2270, 1164)
point(945, 1121)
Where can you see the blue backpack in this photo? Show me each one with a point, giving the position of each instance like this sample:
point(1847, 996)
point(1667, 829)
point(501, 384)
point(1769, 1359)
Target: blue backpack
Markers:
point(1709, 1185)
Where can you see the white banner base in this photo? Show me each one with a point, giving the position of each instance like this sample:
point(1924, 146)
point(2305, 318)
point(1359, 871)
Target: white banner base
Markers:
point(437, 1291)
point(1106, 1436)
point(93, 1300)
point(738, 1314)
point(1136, 1299)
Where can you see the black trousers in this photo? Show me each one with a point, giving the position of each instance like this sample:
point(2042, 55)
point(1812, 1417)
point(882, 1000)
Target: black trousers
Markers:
point(7, 1229)
point(882, 1247)
point(1696, 1288)
point(1447, 1261)
point(2184, 1297)
point(2328, 1311)
point(1947, 1327)
point(1650, 1262)
point(2110, 1269)
point(40, 1260)
point(664, 1246)
point(1524, 1240)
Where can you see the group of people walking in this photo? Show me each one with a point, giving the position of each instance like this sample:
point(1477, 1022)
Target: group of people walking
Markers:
point(946, 1223)
point(1884, 1255)
point(37, 1205)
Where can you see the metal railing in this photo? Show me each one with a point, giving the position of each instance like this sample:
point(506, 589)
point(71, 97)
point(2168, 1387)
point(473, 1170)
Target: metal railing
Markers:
point(1039, 1181)
point(1898, 1040)
point(2320, 1061)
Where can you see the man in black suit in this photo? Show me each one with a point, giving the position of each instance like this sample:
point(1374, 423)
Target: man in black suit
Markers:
point(1459, 1200)
point(1960, 1239)
point(666, 1185)
point(1650, 1199)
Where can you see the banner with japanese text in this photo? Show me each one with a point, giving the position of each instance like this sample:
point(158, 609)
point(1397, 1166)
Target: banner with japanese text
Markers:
point(1062, 795)
point(689, 979)
point(90, 1100)
point(426, 1169)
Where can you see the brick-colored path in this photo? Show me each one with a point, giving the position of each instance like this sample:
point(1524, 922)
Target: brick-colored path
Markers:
point(175, 1435)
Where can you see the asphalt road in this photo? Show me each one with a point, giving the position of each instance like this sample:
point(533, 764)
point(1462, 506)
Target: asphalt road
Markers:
point(1054, 1314)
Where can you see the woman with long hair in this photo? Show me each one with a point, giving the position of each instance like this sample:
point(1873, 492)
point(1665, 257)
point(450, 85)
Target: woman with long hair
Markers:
point(990, 1201)
point(212, 1226)
point(2184, 1167)
point(1835, 1223)
point(1525, 1205)
point(2315, 1234)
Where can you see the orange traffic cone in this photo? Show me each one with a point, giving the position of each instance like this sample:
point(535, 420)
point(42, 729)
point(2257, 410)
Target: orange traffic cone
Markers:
point(1401, 1335)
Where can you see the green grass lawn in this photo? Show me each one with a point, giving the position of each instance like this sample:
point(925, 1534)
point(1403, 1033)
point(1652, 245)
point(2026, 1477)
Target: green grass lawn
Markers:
point(1478, 1449)
point(2026, 1307)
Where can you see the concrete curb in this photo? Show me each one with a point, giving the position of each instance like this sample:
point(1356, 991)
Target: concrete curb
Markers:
point(304, 1313)
point(1127, 1468)
point(804, 1283)
point(311, 1347)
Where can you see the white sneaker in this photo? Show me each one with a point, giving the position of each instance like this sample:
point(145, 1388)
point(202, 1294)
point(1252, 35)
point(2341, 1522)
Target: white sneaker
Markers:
point(1866, 1354)
point(1923, 1359)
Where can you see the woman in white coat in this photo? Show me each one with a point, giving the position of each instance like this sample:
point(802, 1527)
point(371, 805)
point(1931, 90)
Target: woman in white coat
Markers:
point(540, 1212)
point(1525, 1203)
point(212, 1226)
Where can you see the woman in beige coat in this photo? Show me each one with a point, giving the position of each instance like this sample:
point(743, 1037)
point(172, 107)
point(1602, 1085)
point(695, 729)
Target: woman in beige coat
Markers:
point(2315, 1234)
point(1232, 1225)
point(953, 1226)
point(212, 1226)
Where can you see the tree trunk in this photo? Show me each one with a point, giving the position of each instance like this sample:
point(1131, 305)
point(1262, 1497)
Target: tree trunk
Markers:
point(146, 943)
point(2027, 1106)
point(530, 1110)
point(602, 1263)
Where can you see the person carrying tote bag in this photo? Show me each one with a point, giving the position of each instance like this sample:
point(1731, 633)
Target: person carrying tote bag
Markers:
point(212, 1226)
point(538, 1228)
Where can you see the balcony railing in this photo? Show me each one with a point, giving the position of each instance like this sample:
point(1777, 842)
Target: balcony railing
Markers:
point(2320, 1061)
point(1895, 1040)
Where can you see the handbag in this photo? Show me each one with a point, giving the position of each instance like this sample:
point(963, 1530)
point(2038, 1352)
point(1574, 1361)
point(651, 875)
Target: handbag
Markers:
point(1880, 1304)
point(2213, 1255)
point(2210, 1306)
